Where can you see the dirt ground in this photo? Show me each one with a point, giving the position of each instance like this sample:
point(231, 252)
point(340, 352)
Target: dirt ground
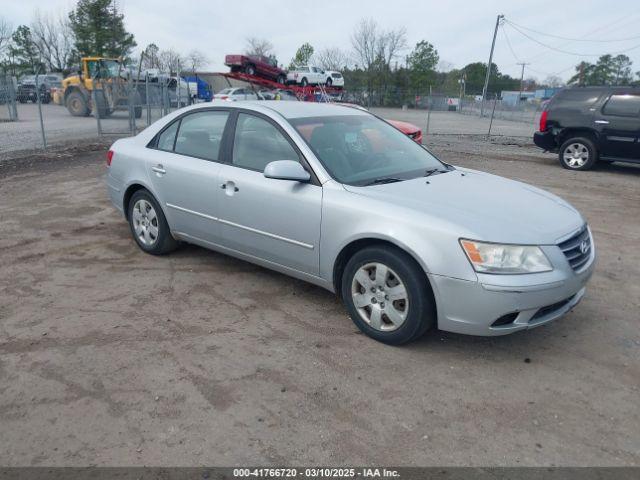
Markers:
point(109, 356)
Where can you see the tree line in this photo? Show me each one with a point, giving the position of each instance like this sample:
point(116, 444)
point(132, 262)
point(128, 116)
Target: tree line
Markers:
point(93, 28)
point(380, 62)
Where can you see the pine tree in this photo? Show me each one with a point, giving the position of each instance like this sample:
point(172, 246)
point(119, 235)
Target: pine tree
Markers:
point(99, 30)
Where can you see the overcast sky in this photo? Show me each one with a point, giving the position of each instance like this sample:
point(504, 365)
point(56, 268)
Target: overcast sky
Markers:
point(460, 30)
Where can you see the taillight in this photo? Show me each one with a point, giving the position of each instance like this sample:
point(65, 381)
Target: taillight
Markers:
point(109, 157)
point(543, 121)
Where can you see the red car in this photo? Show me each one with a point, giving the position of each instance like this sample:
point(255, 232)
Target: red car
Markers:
point(259, 65)
point(408, 129)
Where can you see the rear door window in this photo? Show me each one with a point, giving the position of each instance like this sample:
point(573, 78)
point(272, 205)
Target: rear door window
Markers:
point(622, 105)
point(577, 98)
point(167, 138)
point(200, 134)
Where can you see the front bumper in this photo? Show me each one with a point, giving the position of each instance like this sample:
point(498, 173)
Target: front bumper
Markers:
point(524, 301)
point(545, 140)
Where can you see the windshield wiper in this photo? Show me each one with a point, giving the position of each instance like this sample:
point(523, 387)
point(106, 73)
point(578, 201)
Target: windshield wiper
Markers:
point(433, 171)
point(381, 180)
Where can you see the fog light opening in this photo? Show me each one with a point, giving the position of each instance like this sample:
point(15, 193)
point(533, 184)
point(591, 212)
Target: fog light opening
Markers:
point(505, 319)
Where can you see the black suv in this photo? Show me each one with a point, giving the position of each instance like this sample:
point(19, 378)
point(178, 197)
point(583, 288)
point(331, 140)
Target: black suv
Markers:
point(27, 88)
point(587, 124)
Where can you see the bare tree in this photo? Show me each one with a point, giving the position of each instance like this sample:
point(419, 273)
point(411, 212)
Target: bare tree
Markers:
point(258, 46)
point(390, 44)
point(331, 59)
point(553, 81)
point(364, 41)
point(53, 38)
point(372, 45)
point(195, 60)
point(170, 61)
point(6, 29)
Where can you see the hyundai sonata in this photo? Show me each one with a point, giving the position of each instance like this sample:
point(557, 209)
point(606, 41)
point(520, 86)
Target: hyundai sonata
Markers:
point(337, 197)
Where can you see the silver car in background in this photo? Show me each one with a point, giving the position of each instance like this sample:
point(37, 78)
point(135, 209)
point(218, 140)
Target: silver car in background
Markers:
point(337, 197)
point(236, 94)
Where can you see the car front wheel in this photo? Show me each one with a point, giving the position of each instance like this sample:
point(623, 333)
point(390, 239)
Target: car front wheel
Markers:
point(387, 295)
point(578, 153)
point(148, 225)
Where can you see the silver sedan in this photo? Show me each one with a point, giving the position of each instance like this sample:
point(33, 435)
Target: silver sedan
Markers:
point(338, 197)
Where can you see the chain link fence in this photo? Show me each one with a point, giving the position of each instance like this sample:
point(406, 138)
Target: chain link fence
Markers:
point(8, 108)
point(49, 117)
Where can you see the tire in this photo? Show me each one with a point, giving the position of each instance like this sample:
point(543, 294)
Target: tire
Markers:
point(282, 79)
point(148, 224)
point(46, 98)
point(329, 82)
point(101, 108)
point(136, 100)
point(304, 82)
point(399, 321)
point(250, 70)
point(578, 153)
point(77, 105)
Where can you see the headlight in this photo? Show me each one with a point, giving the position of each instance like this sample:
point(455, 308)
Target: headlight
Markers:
point(505, 259)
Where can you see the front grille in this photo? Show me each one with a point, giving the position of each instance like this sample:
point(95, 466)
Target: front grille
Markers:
point(577, 249)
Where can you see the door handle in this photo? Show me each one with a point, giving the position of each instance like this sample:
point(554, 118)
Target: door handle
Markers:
point(159, 169)
point(602, 122)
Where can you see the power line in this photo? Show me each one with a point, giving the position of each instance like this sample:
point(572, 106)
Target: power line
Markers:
point(603, 28)
point(506, 37)
point(577, 54)
point(574, 39)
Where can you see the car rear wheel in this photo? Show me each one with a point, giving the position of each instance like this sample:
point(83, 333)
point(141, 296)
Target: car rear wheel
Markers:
point(304, 82)
point(148, 225)
point(282, 79)
point(578, 153)
point(387, 295)
point(250, 70)
point(329, 82)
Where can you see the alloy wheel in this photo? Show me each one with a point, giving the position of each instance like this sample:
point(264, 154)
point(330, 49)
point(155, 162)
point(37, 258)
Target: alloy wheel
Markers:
point(145, 222)
point(380, 297)
point(576, 155)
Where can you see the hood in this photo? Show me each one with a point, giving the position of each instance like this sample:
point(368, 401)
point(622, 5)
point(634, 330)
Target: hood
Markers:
point(483, 206)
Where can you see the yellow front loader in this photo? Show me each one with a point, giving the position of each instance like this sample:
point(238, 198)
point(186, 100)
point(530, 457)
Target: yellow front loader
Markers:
point(112, 89)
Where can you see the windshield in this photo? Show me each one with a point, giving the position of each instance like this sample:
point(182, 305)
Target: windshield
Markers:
point(362, 149)
point(112, 67)
point(104, 68)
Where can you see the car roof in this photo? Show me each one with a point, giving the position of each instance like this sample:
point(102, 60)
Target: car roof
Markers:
point(310, 109)
point(291, 110)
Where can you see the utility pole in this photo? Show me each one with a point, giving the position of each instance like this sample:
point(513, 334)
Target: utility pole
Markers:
point(486, 79)
point(521, 80)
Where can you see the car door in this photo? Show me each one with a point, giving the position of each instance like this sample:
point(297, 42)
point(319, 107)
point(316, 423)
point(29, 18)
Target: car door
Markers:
point(318, 76)
point(618, 122)
point(183, 167)
point(274, 220)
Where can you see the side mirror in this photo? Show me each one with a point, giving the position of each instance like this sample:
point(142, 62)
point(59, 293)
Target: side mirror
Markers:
point(286, 170)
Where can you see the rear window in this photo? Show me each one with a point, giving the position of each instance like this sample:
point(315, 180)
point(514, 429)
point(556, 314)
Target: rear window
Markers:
point(577, 97)
point(622, 105)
